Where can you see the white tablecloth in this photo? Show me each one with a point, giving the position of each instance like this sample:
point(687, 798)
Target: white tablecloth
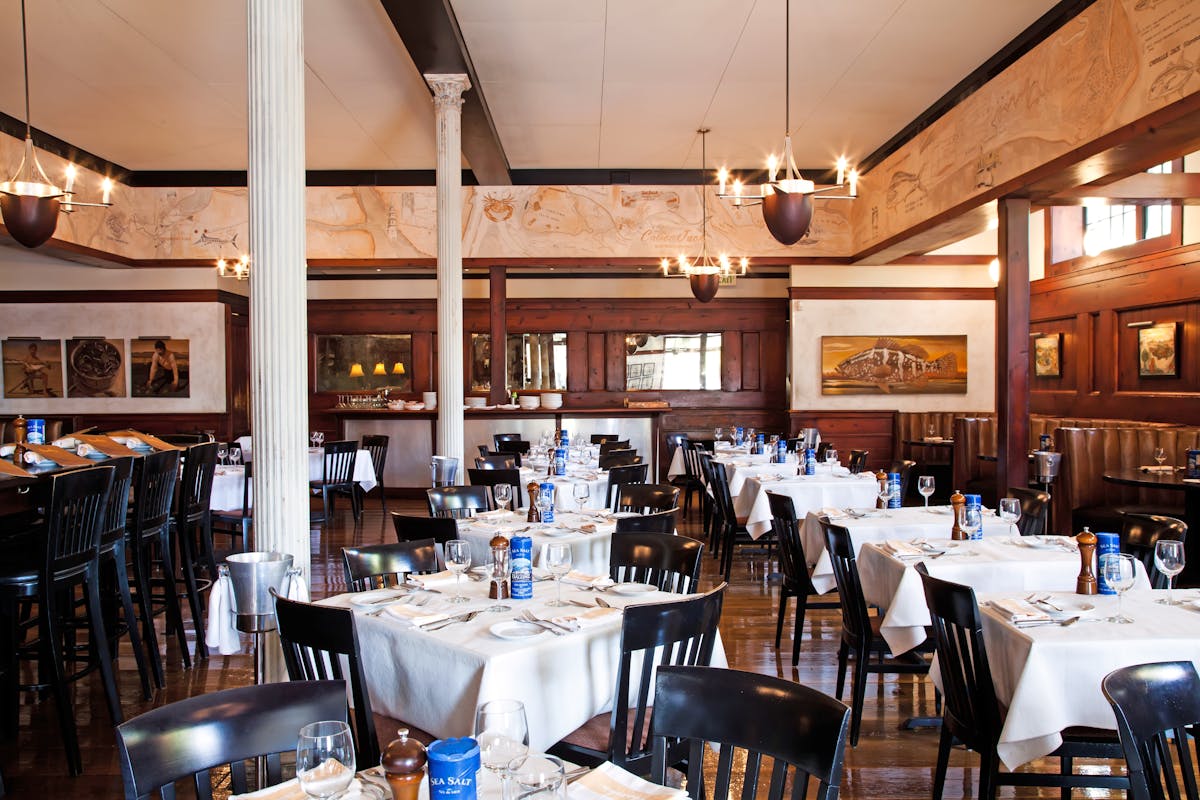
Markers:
point(900, 523)
point(996, 564)
point(435, 680)
point(589, 551)
point(808, 493)
point(596, 480)
point(227, 481)
point(1049, 677)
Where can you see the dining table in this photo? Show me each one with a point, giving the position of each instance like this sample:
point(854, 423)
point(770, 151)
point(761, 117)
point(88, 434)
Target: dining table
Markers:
point(830, 488)
point(435, 679)
point(589, 535)
point(1171, 480)
point(228, 478)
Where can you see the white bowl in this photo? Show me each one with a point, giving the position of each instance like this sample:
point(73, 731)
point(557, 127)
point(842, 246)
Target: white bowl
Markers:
point(529, 400)
point(548, 403)
point(475, 402)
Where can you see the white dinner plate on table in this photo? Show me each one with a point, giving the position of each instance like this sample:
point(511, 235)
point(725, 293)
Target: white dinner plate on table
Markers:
point(374, 597)
point(633, 588)
point(556, 532)
point(1041, 542)
point(515, 630)
point(942, 510)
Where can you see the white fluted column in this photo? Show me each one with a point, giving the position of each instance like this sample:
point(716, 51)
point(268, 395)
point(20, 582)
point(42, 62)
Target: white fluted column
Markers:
point(278, 304)
point(447, 102)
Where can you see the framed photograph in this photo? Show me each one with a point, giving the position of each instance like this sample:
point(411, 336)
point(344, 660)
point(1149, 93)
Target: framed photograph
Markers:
point(95, 367)
point(33, 367)
point(1047, 356)
point(893, 365)
point(1157, 355)
point(159, 367)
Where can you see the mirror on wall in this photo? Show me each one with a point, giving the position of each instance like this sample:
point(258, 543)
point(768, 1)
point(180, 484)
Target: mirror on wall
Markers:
point(363, 362)
point(676, 361)
point(479, 373)
point(533, 361)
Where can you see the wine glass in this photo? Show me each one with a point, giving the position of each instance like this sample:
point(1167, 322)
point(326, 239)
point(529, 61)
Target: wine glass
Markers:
point(885, 495)
point(972, 521)
point(537, 777)
point(502, 492)
point(931, 432)
point(1010, 511)
point(1169, 560)
point(1117, 569)
point(235, 456)
point(325, 758)
point(502, 732)
point(831, 456)
point(458, 558)
point(312, 438)
point(544, 502)
point(222, 451)
point(582, 492)
point(1160, 455)
point(556, 558)
point(925, 486)
point(717, 432)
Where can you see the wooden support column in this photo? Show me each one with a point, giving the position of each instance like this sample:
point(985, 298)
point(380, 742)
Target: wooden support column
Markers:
point(498, 327)
point(1012, 346)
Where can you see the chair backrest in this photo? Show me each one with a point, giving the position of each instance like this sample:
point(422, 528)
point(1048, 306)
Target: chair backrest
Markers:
point(658, 522)
point(1033, 509)
point(691, 461)
point(459, 501)
point(247, 485)
point(718, 485)
point(856, 622)
point(75, 517)
point(379, 565)
point(786, 527)
point(483, 450)
point(154, 478)
point(183, 439)
point(858, 461)
point(1157, 707)
point(195, 488)
point(685, 630)
point(620, 476)
point(1140, 532)
point(492, 477)
point(674, 442)
point(969, 709)
point(903, 467)
point(377, 446)
point(821, 449)
point(506, 461)
point(313, 636)
point(514, 448)
point(189, 738)
point(601, 438)
point(618, 458)
point(672, 563)
point(647, 498)
point(614, 444)
point(794, 444)
point(801, 729)
point(339, 461)
point(497, 438)
point(117, 513)
point(411, 529)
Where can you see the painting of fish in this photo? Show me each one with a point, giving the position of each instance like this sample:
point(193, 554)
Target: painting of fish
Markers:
point(893, 365)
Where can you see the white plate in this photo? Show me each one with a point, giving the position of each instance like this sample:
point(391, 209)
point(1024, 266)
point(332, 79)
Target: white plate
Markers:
point(633, 588)
point(508, 406)
point(942, 510)
point(556, 532)
point(372, 598)
point(515, 630)
point(1039, 543)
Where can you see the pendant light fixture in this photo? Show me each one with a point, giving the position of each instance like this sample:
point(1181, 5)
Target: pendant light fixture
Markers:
point(29, 202)
point(787, 200)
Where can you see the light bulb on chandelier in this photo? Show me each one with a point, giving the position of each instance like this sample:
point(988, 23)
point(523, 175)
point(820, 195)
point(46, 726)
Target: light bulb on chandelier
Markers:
point(239, 269)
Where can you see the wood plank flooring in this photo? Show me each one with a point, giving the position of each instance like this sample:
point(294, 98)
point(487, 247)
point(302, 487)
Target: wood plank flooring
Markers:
point(888, 762)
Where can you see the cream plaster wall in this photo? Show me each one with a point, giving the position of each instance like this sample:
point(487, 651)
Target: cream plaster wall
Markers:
point(539, 286)
point(27, 270)
point(891, 275)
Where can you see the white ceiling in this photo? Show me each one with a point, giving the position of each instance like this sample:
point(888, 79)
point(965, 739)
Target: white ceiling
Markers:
point(608, 84)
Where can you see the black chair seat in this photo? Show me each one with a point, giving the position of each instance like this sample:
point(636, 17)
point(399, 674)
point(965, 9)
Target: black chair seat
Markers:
point(19, 570)
point(1112, 518)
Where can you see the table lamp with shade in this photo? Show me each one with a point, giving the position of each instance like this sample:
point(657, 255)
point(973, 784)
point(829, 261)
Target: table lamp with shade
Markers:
point(380, 369)
point(356, 370)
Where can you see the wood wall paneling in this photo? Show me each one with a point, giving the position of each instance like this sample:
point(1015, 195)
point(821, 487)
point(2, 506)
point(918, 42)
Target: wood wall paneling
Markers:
point(852, 430)
point(596, 371)
point(751, 374)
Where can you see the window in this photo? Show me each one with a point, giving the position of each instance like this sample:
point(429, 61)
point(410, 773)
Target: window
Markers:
point(672, 361)
point(363, 362)
point(534, 361)
point(1108, 226)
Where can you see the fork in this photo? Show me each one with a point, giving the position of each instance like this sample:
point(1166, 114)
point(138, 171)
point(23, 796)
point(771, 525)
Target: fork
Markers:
point(437, 626)
point(553, 627)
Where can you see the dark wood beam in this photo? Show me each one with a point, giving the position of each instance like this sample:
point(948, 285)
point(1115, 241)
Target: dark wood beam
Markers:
point(498, 326)
point(1012, 346)
point(431, 35)
point(1141, 189)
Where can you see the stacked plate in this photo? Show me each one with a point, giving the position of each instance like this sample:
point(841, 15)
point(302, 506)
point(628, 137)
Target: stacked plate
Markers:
point(475, 402)
point(552, 400)
point(528, 401)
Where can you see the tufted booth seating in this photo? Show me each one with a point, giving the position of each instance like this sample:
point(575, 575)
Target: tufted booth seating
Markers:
point(1083, 497)
point(914, 425)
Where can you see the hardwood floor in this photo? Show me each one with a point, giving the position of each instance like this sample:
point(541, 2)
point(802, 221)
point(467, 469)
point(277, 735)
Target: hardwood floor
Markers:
point(888, 762)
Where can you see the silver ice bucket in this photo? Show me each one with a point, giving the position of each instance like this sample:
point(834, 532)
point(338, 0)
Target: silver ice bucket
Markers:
point(1045, 465)
point(443, 469)
point(254, 575)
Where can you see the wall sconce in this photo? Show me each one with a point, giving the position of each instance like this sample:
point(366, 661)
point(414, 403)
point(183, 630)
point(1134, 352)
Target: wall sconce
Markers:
point(380, 369)
point(356, 370)
point(994, 270)
point(398, 368)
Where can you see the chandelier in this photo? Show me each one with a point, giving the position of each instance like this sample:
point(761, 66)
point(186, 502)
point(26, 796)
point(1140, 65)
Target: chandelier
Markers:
point(29, 202)
point(704, 273)
point(787, 199)
point(239, 269)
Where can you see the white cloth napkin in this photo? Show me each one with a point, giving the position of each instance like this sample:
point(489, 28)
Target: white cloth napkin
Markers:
point(33, 458)
point(290, 790)
point(83, 449)
point(297, 588)
point(1157, 468)
point(66, 442)
point(499, 513)
point(414, 615)
point(577, 578)
point(443, 578)
point(1021, 613)
point(222, 634)
point(588, 618)
point(903, 549)
point(610, 782)
point(7, 450)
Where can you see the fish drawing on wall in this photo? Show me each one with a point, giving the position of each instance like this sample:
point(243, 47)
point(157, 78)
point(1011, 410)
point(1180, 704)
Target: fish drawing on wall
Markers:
point(893, 364)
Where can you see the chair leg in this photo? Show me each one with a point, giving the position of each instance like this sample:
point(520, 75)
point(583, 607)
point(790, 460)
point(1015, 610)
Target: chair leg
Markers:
point(383, 497)
point(988, 770)
point(945, 742)
point(52, 655)
point(843, 657)
point(99, 641)
point(188, 557)
point(801, 612)
point(174, 614)
point(10, 690)
point(141, 578)
point(1066, 767)
point(859, 696)
point(130, 618)
point(783, 598)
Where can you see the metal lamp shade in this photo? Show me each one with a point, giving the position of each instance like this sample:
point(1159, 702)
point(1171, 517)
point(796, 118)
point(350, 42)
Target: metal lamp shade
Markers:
point(787, 215)
point(30, 219)
point(704, 285)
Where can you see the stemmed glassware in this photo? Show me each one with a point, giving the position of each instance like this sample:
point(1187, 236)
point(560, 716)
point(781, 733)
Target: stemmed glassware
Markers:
point(1010, 511)
point(222, 452)
point(502, 493)
point(545, 502)
point(972, 521)
point(317, 438)
point(1160, 455)
point(831, 456)
point(556, 558)
point(1169, 560)
point(502, 732)
point(925, 486)
point(325, 759)
point(717, 432)
point(458, 558)
point(538, 777)
point(235, 456)
point(1117, 570)
point(885, 496)
point(582, 492)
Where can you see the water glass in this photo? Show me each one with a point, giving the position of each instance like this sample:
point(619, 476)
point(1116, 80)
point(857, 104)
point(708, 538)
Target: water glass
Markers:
point(556, 558)
point(458, 558)
point(582, 492)
point(925, 485)
point(222, 452)
point(502, 492)
point(1118, 571)
point(1160, 455)
point(235, 456)
point(885, 496)
point(717, 432)
point(1010, 511)
point(1169, 560)
point(831, 456)
point(325, 759)
point(538, 777)
point(502, 732)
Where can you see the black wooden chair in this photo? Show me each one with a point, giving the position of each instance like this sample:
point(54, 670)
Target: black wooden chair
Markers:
point(822, 448)
point(459, 501)
point(506, 461)
point(858, 461)
point(801, 730)
point(609, 445)
point(971, 713)
point(1139, 534)
point(376, 446)
point(658, 522)
point(621, 476)
point(1157, 707)
point(685, 630)
point(1034, 503)
point(493, 477)
point(411, 529)
point(183, 439)
point(693, 479)
point(601, 438)
point(797, 582)
point(672, 563)
point(237, 522)
point(726, 532)
point(647, 498)
point(497, 438)
point(337, 477)
point(380, 565)
point(860, 630)
point(193, 530)
point(66, 561)
point(618, 458)
point(192, 738)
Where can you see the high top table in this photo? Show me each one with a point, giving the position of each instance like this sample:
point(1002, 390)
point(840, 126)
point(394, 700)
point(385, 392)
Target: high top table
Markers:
point(1172, 482)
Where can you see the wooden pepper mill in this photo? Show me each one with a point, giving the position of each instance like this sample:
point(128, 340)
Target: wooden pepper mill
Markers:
point(881, 479)
point(957, 502)
point(1086, 582)
point(534, 515)
point(20, 432)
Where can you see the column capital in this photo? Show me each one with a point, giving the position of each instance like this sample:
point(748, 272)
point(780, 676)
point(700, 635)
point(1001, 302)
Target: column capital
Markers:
point(448, 89)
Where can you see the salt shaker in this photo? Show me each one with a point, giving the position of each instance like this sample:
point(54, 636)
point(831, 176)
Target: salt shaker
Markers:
point(404, 765)
point(1086, 582)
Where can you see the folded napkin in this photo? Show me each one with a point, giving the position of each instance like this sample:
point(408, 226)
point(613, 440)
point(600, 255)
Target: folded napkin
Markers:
point(129, 441)
point(589, 618)
point(83, 449)
point(7, 450)
point(610, 782)
point(222, 634)
point(903, 549)
point(33, 458)
point(66, 443)
point(414, 615)
point(577, 578)
point(1021, 613)
point(1157, 468)
point(499, 513)
point(297, 587)
point(290, 790)
point(443, 578)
